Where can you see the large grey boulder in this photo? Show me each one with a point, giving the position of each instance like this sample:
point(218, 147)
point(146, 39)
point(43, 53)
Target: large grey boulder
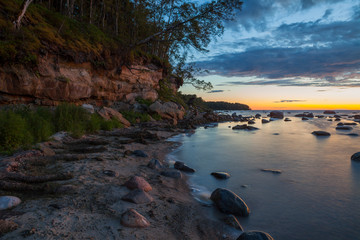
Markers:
point(277, 114)
point(229, 202)
point(255, 235)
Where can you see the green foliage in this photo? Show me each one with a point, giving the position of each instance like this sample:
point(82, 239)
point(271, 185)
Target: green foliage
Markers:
point(71, 118)
point(146, 102)
point(108, 125)
point(156, 116)
point(133, 116)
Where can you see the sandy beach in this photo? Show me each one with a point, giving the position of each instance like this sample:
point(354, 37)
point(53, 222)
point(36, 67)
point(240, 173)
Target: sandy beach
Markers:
point(89, 205)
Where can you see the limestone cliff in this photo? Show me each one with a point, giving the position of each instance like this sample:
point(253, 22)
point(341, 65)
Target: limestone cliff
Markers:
point(56, 79)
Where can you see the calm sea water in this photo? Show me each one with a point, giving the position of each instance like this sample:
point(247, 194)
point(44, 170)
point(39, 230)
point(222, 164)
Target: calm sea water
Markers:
point(317, 196)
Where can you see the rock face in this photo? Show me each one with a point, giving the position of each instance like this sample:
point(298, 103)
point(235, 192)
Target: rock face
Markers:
point(229, 202)
point(277, 114)
point(138, 183)
point(321, 133)
point(57, 79)
point(221, 175)
point(7, 202)
point(255, 235)
point(356, 157)
point(183, 167)
point(168, 110)
point(132, 218)
point(138, 196)
point(108, 113)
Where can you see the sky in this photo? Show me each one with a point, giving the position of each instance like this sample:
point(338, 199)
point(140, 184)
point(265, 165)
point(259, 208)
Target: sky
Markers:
point(287, 54)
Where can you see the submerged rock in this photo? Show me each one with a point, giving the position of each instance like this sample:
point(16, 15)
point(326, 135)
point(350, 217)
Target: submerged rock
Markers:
point(229, 202)
point(244, 127)
point(329, 112)
point(132, 218)
point(264, 121)
point(277, 114)
point(275, 171)
point(287, 119)
point(255, 235)
point(183, 167)
point(7, 202)
point(321, 133)
point(136, 182)
point(232, 221)
point(251, 122)
point(304, 118)
point(138, 196)
point(356, 157)
point(343, 128)
point(221, 175)
point(353, 134)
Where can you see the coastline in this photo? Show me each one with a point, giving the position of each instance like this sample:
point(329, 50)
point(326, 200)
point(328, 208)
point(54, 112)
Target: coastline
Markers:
point(90, 205)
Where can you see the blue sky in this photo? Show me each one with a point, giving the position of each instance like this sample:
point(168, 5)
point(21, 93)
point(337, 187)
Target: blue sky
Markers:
point(308, 49)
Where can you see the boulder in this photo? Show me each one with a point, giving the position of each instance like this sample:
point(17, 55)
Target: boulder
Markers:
point(183, 167)
point(138, 196)
point(244, 127)
point(251, 122)
point(350, 124)
point(133, 219)
point(155, 164)
point(304, 118)
point(232, 221)
point(172, 173)
point(255, 235)
point(264, 121)
point(136, 182)
point(353, 134)
point(356, 157)
point(329, 112)
point(88, 107)
point(258, 115)
point(321, 133)
point(356, 116)
point(229, 202)
point(287, 119)
point(221, 175)
point(108, 113)
point(7, 202)
point(277, 114)
point(7, 226)
point(168, 110)
point(305, 114)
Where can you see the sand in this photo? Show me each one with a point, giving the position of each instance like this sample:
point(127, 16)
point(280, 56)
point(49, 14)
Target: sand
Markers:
point(90, 206)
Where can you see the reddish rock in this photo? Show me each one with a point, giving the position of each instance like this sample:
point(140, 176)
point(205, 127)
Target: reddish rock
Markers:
point(168, 110)
point(133, 219)
point(109, 113)
point(136, 182)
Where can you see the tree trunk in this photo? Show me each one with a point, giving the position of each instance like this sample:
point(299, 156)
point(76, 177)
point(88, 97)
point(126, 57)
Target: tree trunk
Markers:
point(24, 7)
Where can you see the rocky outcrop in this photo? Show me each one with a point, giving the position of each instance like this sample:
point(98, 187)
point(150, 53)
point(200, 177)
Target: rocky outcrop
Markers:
point(55, 80)
point(168, 110)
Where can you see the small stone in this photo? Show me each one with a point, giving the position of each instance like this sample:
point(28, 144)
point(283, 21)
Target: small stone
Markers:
point(232, 221)
point(136, 182)
point(183, 167)
point(221, 175)
point(264, 121)
point(172, 173)
point(7, 202)
point(139, 153)
point(133, 219)
point(110, 173)
point(138, 196)
point(255, 235)
point(287, 119)
point(275, 171)
point(155, 164)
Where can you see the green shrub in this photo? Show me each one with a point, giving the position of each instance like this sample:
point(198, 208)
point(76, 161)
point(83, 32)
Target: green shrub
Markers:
point(132, 116)
point(111, 124)
point(146, 102)
point(94, 124)
point(71, 118)
point(156, 116)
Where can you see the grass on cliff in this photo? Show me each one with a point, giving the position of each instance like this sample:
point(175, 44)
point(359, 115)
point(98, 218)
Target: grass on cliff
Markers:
point(23, 127)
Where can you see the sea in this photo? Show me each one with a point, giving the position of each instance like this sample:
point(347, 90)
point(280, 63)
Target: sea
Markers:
point(317, 194)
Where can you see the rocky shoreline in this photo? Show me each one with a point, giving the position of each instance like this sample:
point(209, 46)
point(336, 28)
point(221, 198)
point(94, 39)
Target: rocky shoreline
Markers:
point(92, 202)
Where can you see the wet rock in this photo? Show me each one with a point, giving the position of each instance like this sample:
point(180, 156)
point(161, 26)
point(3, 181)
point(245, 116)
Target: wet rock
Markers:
point(139, 153)
point(183, 167)
point(320, 116)
point(229, 202)
point(264, 121)
point(337, 119)
point(258, 115)
point(133, 219)
point(277, 114)
point(353, 134)
point(244, 127)
point(329, 112)
point(343, 128)
point(305, 114)
point(232, 221)
point(321, 133)
point(221, 175)
point(350, 124)
point(155, 164)
point(340, 124)
point(7, 226)
point(255, 235)
point(136, 182)
point(356, 157)
point(287, 119)
point(330, 120)
point(276, 134)
point(138, 196)
point(110, 173)
point(7, 202)
point(356, 116)
point(304, 118)
point(275, 171)
point(171, 173)
point(251, 122)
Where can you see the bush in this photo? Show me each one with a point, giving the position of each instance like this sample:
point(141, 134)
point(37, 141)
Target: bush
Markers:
point(132, 116)
point(71, 118)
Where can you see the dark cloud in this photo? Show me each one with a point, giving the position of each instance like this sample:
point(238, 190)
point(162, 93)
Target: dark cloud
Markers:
point(216, 91)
